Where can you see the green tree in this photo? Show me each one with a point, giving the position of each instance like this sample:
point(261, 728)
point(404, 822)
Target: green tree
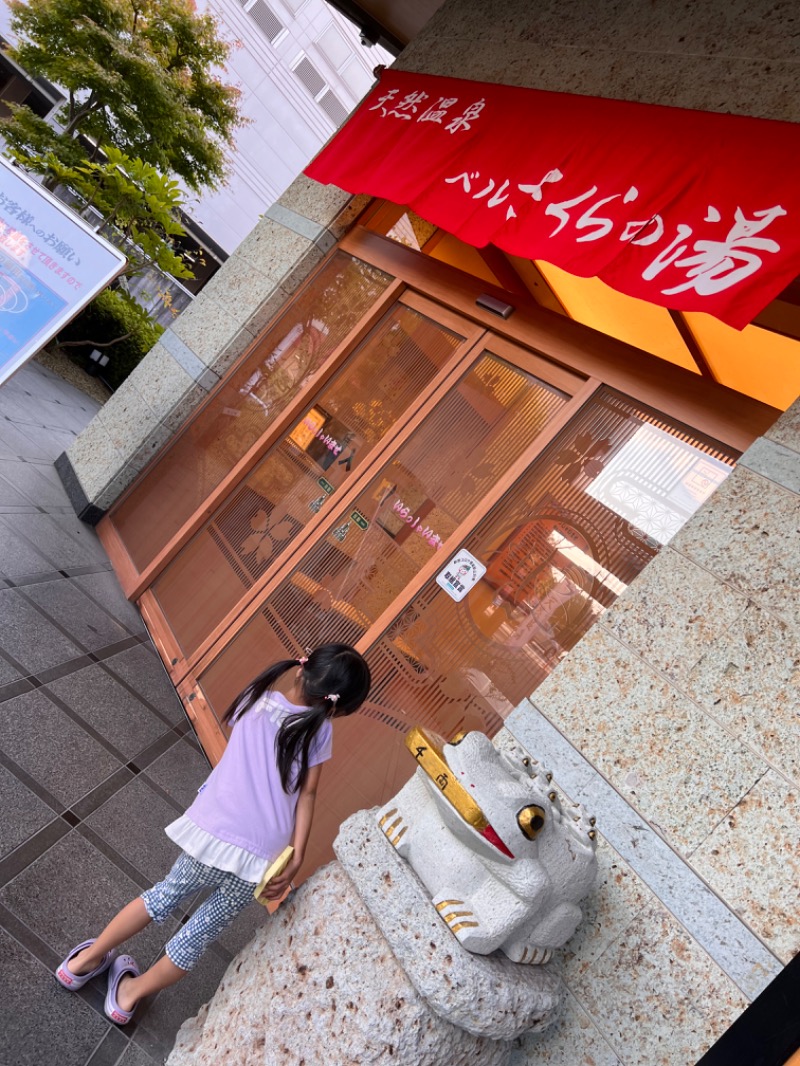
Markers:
point(140, 76)
point(140, 204)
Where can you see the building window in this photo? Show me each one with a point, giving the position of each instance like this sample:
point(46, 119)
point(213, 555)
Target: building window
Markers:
point(333, 107)
point(310, 77)
point(266, 20)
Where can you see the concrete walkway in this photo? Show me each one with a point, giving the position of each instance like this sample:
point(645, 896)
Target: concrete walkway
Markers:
point(96, 757)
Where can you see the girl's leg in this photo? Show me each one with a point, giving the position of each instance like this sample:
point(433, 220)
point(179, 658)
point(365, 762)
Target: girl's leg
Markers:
point(184, 880)
point(129, 921)
point(211, 918)
point(161, 975)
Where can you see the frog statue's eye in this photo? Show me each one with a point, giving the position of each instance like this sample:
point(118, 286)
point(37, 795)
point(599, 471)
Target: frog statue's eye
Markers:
point(531, 821)
point(458, 737)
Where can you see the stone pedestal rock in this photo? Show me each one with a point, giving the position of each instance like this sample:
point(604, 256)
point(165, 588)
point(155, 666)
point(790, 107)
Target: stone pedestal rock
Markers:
point(357, 968)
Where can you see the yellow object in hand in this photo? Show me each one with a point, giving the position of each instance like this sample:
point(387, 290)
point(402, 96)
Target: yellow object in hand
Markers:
point(271, 871)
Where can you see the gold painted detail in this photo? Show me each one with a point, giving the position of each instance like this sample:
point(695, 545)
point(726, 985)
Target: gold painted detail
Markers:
point(398, 837)
point(531, 821)
point(428, 752)
point(464, 925)
point(449, 903)
point(450, 918)
point(387, 816)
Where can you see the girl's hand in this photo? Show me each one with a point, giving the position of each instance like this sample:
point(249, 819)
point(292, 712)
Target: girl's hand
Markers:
point(278, 886)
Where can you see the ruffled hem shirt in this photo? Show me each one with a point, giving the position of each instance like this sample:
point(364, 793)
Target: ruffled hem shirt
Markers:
point(212, 851)
point(242, 819)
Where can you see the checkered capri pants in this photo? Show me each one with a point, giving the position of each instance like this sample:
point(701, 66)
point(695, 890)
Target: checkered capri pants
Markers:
point(230, 896)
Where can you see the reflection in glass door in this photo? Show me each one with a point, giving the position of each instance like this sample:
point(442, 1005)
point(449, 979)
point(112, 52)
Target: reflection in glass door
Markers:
point(327, 448)
point(559, 548)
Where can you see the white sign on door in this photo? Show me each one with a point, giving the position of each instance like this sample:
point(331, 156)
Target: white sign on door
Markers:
point(461, 574)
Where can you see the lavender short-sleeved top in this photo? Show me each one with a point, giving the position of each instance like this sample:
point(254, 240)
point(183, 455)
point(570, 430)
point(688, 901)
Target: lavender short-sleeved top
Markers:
point(243, 802)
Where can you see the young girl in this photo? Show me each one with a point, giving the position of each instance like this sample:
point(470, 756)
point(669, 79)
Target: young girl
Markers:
point(259, 798)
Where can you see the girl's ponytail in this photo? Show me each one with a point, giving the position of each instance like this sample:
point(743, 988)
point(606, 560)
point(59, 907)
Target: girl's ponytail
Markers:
point(257, 688)
point(335, 683)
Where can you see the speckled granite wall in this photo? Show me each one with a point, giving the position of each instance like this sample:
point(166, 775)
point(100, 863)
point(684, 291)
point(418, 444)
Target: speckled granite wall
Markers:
point(738, 56)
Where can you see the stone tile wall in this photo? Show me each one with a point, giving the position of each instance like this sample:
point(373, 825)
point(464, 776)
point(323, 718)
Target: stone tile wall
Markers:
point(678, 721)
point(738, 57)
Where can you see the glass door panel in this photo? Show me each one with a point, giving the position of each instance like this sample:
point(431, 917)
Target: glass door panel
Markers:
point(397, 523)
point(241, 410)
point(325, 449)
point(559, 548)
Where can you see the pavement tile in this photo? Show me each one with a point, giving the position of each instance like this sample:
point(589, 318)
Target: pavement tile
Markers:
point(50, 747)
point(47, 536)
point(136, 1056)
point(19, 558)
point(32, 480)
point(143, 671)
point(109, 708)
point(21, 813)
point(111, 1048)
point(170, 1009)
point(39, 442)
point(21, 407)
point(133, 823)
point(9, 495)
point(16, 442)
point(180, 772)
point(104, 588)
point(85, 537)
point(87, 623)
point(29, 638)
point(8, 672)
point(71, 893)
point(41, 1022)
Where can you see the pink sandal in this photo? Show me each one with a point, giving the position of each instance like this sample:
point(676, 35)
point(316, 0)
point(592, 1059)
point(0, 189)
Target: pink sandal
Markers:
point(74, 981)
point(120, 966)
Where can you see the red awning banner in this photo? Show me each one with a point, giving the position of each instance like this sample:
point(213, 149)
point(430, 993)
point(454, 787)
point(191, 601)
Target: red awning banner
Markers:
point(688, 209)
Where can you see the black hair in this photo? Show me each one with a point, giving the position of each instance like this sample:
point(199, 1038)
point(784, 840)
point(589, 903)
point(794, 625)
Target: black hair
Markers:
point(331, 669)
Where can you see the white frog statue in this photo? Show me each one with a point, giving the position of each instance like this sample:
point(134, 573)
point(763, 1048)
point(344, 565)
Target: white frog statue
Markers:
point(505, 864)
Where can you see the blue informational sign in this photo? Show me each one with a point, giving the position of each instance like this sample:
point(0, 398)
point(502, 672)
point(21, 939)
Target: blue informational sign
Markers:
point(52, 265)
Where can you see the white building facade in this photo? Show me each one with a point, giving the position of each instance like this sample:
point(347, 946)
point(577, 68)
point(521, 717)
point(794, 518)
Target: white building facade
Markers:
point(301, 69)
